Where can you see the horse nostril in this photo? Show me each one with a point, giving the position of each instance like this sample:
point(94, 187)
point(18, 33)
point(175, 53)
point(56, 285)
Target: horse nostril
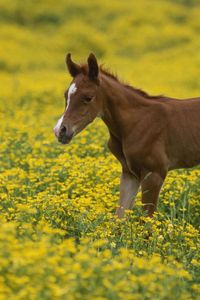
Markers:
point(65, 135)
point(63, 130)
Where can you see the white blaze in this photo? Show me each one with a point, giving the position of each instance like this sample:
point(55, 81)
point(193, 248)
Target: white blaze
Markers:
point(72, 90)
point(57, 127)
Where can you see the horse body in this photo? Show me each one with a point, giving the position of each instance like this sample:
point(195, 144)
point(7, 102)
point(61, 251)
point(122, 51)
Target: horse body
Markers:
point(165, 128)
point(184, 133)
point(149, 135)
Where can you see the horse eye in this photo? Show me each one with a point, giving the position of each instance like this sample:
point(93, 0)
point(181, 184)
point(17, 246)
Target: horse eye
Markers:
point(87, 98)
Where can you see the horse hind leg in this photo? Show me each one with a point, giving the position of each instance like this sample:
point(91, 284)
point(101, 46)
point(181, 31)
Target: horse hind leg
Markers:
point(151, 186)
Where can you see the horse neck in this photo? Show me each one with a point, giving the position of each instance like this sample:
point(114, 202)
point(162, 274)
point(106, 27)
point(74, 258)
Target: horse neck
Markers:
point(120, 106)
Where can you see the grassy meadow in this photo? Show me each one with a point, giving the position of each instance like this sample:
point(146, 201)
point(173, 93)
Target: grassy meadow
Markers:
point(58, 239)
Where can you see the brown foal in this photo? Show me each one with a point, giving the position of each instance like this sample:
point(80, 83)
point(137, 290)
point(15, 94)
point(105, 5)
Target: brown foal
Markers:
point(149, 135)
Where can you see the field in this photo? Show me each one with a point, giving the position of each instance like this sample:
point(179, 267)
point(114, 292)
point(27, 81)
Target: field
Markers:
point(58, 239)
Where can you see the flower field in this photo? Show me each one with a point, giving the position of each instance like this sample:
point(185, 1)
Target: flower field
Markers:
point(58, 237)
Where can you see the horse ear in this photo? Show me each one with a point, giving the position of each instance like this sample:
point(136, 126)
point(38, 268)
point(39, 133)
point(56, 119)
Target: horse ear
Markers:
point(93, 67)
point(73, 68)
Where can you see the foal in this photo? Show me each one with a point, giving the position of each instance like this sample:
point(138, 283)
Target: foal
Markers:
point(149, 135)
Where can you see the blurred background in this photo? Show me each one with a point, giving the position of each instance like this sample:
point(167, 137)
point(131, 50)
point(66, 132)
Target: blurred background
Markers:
point(152, 44)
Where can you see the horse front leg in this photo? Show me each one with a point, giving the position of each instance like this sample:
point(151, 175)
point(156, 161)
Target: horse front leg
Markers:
point(151, 186)
point(129, 186)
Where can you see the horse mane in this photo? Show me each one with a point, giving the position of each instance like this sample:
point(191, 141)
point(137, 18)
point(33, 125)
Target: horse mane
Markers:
point(113, 76)
point(136, 90)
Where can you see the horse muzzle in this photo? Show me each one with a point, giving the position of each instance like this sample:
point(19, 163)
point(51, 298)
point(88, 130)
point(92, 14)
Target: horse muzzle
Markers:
point(65, 135)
